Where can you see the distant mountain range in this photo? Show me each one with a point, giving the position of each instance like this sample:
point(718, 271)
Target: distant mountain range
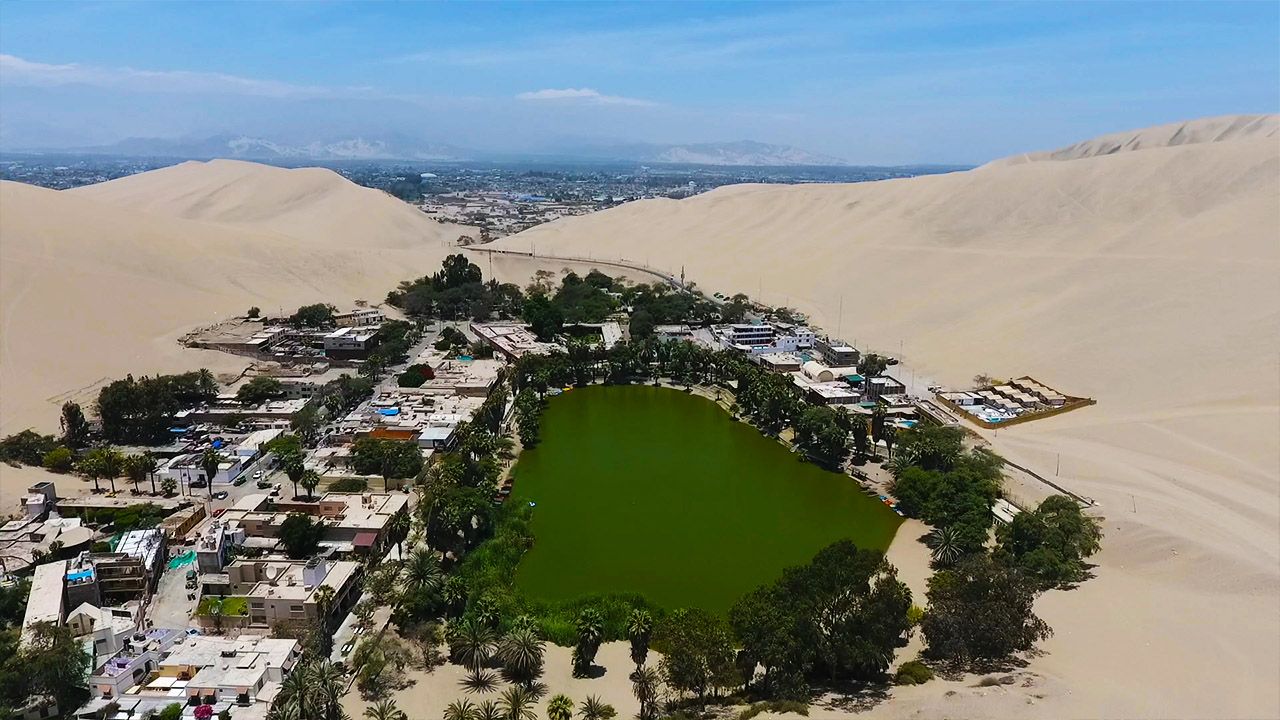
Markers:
point(255, 148)
point(741, 153)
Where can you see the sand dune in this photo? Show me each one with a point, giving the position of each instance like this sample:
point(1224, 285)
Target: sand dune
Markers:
point(1141, 269)
point(314, 205)
point(101, 281)
point(1207, 130)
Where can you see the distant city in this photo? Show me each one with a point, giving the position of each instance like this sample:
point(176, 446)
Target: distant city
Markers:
point(499, 198)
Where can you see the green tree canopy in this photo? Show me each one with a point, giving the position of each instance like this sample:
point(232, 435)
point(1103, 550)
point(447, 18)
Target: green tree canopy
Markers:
point(840, 617)
point(318, 315)
point(392, 459)
point(301, 535)
point(545, 319)
point(75, 428)
point(981, 610)
point(259, 390)
point(697, 652)
point(1051, 542)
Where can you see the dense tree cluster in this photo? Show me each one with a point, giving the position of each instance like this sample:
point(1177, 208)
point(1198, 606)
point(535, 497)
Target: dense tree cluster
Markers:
point(51, 664)
point(529, 407)
point(824, 434)
point(415, 375)
point(1051, 542)
point(946, 486)
point(318, 315)
point(456, 292)
point(981, 609)
point(392, 459)
point(697, 652)
point(138, 411)
point(660, 304)
point(586, 300)
point(301, 535)
point(839, 618)
point(27, 447)
point(259, 390)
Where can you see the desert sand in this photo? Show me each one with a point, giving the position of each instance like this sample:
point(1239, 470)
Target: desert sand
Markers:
point(101, 281)
point(1141, 269)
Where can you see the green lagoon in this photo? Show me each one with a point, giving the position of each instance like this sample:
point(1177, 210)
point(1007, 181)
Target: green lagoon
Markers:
point(655, 491)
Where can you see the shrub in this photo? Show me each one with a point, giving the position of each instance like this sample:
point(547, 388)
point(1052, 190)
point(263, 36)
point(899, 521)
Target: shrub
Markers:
point(349, 485)
point(59, 460)
point(415, 375)
point(915, 614)
point(776, 707)
point(912, 672)
point(28, 447)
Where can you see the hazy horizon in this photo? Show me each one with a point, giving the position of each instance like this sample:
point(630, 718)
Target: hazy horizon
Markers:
point(867, 83)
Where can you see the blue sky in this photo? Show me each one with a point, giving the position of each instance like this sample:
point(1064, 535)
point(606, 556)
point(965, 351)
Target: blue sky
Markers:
point(869, 82)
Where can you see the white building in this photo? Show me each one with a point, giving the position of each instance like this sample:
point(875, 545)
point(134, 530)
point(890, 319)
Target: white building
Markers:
point(762, 338)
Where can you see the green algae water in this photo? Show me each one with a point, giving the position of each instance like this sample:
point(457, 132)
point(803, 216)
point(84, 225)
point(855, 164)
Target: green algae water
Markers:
point(655, 491)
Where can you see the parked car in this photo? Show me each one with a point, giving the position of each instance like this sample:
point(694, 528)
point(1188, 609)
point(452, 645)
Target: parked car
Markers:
point(257, 475)
point(220, 495)
point(263, 484)
point(239, 481)
point(199, 483)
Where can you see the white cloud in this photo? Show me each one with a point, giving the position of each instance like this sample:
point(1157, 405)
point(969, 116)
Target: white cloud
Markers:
point(21, 72)
point(585, 95)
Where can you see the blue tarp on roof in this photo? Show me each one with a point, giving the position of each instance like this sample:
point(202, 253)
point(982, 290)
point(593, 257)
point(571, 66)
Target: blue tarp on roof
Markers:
point(389, 411)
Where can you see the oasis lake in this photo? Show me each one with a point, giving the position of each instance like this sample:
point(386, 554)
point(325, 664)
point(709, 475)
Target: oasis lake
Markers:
point(659, 492)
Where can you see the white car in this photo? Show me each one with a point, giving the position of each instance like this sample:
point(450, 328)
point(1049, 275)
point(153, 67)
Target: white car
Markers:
point(257, 475)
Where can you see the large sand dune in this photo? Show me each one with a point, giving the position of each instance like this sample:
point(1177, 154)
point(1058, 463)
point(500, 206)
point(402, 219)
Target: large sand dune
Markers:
point(101, 281)
point(1141, 269)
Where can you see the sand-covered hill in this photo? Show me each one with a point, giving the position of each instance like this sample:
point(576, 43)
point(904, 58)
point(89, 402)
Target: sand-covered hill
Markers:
point(1207, 130)
point(1149, 280)
point(101, 281)
point(313, 205)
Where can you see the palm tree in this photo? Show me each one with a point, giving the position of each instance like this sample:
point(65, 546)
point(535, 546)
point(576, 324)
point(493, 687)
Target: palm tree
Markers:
point(327, 688)
point(516, 704)
point(291, 463)
point(310, 479)
point(423, 571)
point(295, 693)
point(644, 685)
point(210, 460)
point(590, 634)
point(136, 469)
point(488, 710)
point(91, 468)
point(399, 531)
point(472, 643)
point(521, 654)
point(593, 708)
point(944, 544)
point(460, 710)
point(324, 603)
point(639, 631)
point(560, 707)
point(386, 709)
point(150, 464)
